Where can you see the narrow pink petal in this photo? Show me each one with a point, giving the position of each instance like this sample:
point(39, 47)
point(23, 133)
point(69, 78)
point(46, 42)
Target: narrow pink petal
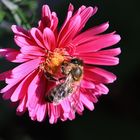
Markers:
point(22, 105)
point(49, 19)
point(20, 72)
point(23, 58)
point(28, 46)
point(51, 113)
point(87, 84)
point(95, 77)
point(66, 107)
point(106, 74)
point(80, 107)
point(41, 112)
point(24, 69)
point(98, 76)
point(20, 31)
point(32, 112)
point(9, 54)
point(88, 35)
point(86, 102)
point(54, 113)
point(46, 11)
point(54, 22)
point(37, 36)
point(5, 75)
point(43, 23)
point(71, 115)
point(101, 42)
point(7, 95)
point(102, 89)
point(49, 39)
point(108, 52)
point(22, 41)
point(69, 31)
point(36, 91)
point(69, 15)
point(22, 88)
point(86, 14)
point(101, 60)
point(90, 94)
point(32, 51)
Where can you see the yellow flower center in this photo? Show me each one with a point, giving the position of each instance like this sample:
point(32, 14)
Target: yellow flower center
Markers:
point(53, 61)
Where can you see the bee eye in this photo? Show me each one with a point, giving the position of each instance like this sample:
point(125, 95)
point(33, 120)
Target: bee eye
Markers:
point(77, 72)
point(77, 61)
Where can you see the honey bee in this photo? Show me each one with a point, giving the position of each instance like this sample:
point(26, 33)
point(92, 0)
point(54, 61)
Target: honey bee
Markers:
point(72, 71)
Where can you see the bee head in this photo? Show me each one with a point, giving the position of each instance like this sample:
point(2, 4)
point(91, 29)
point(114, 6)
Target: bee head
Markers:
point(76, 61)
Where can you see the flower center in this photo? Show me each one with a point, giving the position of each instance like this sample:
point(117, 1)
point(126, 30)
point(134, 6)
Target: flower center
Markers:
point(53, 61)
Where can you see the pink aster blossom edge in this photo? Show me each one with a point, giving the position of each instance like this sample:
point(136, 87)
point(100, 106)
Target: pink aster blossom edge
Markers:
point(26, 83)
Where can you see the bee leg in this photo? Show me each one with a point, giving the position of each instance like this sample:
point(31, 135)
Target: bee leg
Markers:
point(50, 77)
point(62, 78)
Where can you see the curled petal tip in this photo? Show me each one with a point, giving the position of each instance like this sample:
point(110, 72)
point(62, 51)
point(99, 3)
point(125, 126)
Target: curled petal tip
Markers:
point(117, 37)
point(71, 7)
point(95, 9)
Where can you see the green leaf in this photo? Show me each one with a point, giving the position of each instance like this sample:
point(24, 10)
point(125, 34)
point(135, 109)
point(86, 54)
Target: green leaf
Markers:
point(2, 15)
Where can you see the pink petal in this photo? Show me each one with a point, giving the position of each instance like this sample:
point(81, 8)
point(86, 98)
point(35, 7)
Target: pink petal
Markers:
point(69, 15)
point(35, 103)
point(20, 31)
point(80, 107)
point(41, 112)
point(54, 22)
point(35, 91)
point(49, 39)
point(86, 102)
point(87, 84)
point(7, 95)
point(5, 75)
point(69, 31)
point(22, 88)
point(49, 19)
point(88, 35)
point(9, 54)
point(101, 42)
point(108, 52)
point(95, 77)
point(13, 55)
point(72, 115)
point(22, 105)
point(86, 14)
point(20, 72)
point(43, 23)
point(100, 60)
point(106, 74)
point(46, 11)
point(102, 89)
point(51, 113)
point(28, 46)
point(37, 36)
point(66, 108)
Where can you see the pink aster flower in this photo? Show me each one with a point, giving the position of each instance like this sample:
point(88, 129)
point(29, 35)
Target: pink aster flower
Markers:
point(43, 50)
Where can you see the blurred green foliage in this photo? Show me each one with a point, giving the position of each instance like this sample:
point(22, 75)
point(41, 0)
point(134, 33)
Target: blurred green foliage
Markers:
point(20, 12)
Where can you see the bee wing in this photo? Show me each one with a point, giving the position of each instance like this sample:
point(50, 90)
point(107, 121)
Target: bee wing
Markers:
point(74, 98)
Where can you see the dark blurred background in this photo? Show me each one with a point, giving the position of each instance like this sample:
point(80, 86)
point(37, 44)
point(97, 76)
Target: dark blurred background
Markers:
point(116, 115)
